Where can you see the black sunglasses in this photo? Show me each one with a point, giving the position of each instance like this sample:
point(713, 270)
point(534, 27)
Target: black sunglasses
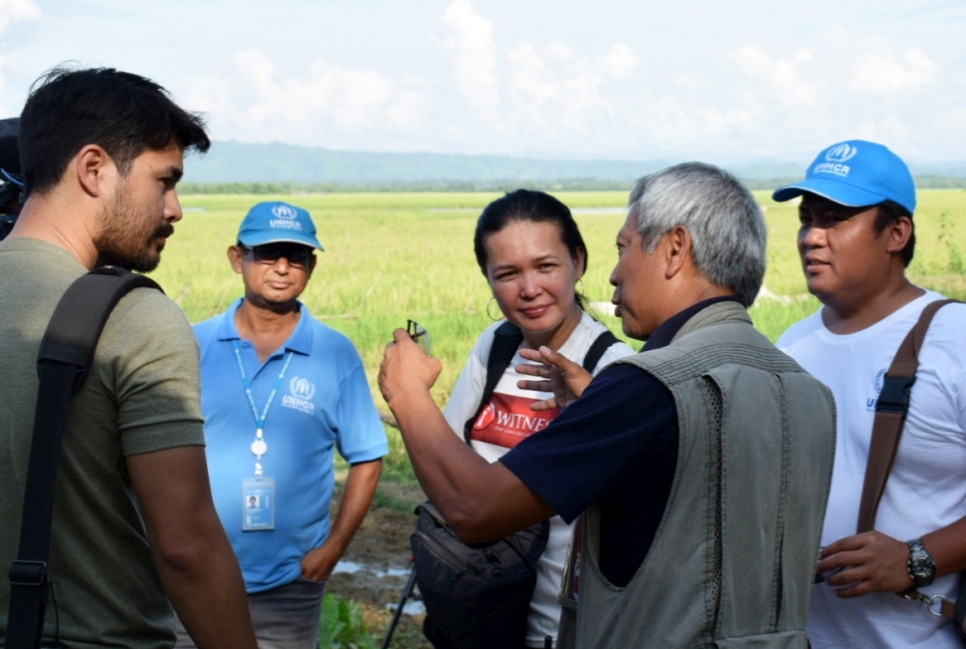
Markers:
point(270, 253)
point(419, 334)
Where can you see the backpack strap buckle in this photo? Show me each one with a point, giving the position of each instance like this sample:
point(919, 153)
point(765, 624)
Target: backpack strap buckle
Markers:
point(28, 573)
point(895, 394)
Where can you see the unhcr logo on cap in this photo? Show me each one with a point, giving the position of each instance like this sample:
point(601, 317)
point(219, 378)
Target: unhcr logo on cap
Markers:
point(285, 217)
point(841, 152)
point(836, 157)
point(286, 212)
point(273, 221)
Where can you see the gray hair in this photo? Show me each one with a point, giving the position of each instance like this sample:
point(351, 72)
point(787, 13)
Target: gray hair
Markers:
point(727, 227)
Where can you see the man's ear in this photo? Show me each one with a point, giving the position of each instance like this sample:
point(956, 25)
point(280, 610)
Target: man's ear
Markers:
point(677, 250)
point(235, 255)
point(898, 234)
point(95, 171)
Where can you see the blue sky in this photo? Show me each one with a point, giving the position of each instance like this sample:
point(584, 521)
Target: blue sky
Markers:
point(635, 79)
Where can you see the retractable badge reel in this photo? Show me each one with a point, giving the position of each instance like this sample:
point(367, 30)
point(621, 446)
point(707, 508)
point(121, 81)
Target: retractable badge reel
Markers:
point(258, 492)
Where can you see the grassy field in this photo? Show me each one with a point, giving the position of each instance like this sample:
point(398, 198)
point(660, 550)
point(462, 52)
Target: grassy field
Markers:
point(390, 257)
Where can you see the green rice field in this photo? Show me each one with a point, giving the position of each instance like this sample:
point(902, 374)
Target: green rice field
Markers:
point(390, 257)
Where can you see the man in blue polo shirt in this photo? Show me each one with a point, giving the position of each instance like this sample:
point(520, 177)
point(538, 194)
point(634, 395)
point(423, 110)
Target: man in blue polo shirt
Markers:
point(280, 390)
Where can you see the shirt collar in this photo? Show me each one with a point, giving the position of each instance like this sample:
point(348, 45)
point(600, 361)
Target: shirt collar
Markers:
point(664, 334)
point(299, 342)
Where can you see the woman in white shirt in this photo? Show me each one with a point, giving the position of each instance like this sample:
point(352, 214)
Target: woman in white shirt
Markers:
point(532, 254)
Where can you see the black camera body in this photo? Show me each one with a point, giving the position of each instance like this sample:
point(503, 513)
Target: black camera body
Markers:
point(10, 184)
point(6, 225)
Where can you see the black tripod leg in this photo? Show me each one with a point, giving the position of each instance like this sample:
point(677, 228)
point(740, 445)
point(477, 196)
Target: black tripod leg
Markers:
point(406, 594)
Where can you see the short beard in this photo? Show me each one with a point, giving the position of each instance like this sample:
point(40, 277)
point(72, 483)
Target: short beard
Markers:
point(120, 243)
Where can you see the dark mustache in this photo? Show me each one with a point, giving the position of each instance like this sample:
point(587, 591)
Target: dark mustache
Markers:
point(164, 231)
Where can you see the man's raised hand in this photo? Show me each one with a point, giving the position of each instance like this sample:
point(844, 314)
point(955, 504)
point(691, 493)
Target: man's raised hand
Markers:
point(406, 367)
point(557, 373)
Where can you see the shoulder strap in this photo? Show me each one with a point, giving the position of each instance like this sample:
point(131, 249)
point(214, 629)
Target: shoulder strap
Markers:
point(596, 351)
point(65, 357)
point(505, 343)
point(890, 416)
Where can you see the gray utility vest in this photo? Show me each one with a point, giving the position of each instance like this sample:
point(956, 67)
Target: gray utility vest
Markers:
point(733, 560)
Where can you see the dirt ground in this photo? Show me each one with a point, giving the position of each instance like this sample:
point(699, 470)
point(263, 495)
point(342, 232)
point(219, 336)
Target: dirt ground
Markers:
point(381, 546)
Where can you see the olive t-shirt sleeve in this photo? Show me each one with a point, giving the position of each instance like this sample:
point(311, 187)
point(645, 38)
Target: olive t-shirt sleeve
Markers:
point(151, 355)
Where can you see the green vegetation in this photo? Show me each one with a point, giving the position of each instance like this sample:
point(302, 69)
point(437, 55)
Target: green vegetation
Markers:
point(565, 184)
point(461, 186)
point(343, 626)
point(390, 257)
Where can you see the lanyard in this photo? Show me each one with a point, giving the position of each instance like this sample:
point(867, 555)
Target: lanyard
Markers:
point(259, 447)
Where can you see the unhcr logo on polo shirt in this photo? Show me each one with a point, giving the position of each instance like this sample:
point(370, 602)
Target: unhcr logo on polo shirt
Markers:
point(301, 391)
point(836, 158)
point(285, 217)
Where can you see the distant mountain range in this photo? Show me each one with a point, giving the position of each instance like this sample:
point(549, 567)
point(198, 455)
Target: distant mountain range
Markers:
point(239, 162)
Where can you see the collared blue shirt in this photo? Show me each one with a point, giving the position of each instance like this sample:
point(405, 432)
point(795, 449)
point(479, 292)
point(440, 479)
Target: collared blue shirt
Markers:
point(324, 402)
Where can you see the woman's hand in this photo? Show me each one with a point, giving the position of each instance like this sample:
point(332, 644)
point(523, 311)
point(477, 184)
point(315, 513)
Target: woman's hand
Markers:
point(560, 375)
point(405, 367)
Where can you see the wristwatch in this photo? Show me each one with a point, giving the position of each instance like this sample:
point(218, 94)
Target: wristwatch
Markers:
point(921, 566)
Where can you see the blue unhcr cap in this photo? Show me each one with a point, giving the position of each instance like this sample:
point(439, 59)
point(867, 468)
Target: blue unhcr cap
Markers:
point(856, 173)
point(274, 222)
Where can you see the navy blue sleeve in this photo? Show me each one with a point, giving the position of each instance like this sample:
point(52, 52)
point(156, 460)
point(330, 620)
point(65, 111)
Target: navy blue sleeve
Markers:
point(623, 423)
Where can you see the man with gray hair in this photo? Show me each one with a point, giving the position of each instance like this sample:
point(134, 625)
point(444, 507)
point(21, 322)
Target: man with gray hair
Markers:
point(700, 466)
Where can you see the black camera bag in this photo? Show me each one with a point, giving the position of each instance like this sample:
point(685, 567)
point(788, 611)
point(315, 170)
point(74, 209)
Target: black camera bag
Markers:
point(478, 596)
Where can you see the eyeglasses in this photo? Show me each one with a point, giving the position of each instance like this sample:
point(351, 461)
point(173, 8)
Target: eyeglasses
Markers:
point(270, 253)
point(419, 334)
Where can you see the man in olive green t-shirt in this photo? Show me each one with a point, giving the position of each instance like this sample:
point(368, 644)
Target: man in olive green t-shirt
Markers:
point(134, 525)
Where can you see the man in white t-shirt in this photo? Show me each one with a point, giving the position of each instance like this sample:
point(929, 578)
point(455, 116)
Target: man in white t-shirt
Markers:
point(857, 236)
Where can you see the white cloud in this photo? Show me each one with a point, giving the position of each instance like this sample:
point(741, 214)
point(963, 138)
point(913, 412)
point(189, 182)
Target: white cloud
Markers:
point(470, 35)
point(889, 75)
point(13, 11)
point(563, 92)
point(529, 93)
point(620, 62)
point(778, 79)
point(495, 83)
point(328, 103)
point(888, 129)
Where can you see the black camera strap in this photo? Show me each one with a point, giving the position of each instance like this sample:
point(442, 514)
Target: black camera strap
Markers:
point(66, 355)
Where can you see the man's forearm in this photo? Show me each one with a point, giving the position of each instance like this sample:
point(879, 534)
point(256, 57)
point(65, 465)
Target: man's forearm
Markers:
point(208, 594)
point(947, 546)
point(360, 487)
point(449, 471)
point(195, 561)
point(480, 501)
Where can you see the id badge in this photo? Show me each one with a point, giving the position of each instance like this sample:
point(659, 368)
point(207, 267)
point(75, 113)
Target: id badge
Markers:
point(258, 505)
